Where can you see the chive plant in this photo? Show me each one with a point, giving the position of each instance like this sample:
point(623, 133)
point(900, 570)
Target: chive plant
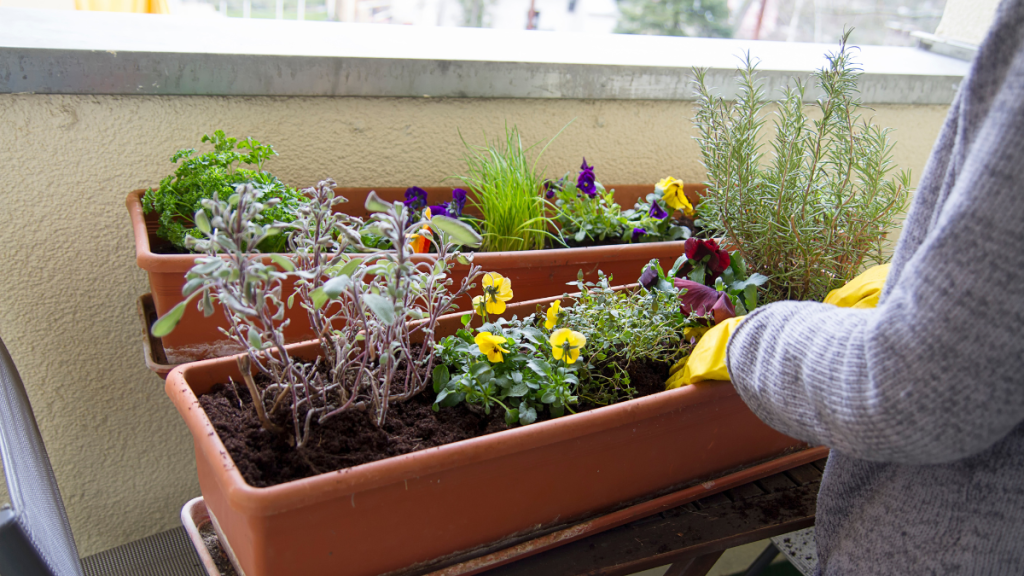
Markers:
point(505, 187)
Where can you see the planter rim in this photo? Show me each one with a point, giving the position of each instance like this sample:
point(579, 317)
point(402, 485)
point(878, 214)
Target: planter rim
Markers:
point(149, 261)
point(331, 485)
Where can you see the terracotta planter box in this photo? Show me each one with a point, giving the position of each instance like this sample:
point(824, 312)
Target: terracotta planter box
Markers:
point(534, 273)
point(394, 513)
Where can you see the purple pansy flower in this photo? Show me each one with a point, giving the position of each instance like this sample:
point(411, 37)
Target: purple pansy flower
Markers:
point(439, 209)
point(586, 180)
point(637, 233)
point(657, 212)
point(415, 198)
point(549, 189)
point(458, 202)
point(649, 278)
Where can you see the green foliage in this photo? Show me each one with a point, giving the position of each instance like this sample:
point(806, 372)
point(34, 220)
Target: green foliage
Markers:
point(820, 210)
point(620, 327)
point(525, 383)
point(655, 229)
point(700, 18)
point(582, 218)
point(505, 188)
point(218, 172)
point(623, 327)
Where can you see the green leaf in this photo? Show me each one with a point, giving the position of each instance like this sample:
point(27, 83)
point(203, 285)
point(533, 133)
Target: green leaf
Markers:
point(283, 262)
point(511, 416)
point(698, 273)
point(347, 269)
point(318, 297)
point(463, 259)
point(202, 221)
point(580, 235)
point(518, 390)
point(375, 204)
point(458, 231)
point(548, 397)
point(465, 319)
point(381, 307)
point(750, 297)
point(291, 300)
point(441, 395)
point(192, 285)
point(207, 304)
point(254, 340)
point(335, 286)
point(441, 377)
point(527, 415)
point(166, 323)
point(738, 265)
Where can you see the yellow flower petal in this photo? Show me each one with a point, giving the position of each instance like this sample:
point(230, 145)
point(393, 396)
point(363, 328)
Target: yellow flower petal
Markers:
point(563, 340)
point(495, 306)
point(491, 346)
point(552, 314)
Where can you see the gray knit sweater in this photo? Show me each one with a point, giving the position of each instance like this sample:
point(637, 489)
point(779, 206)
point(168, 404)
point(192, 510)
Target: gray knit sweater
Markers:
point(921, 399)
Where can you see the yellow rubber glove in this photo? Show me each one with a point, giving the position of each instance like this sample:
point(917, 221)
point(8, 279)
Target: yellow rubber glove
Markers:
point(707, 361)
point(862, 291)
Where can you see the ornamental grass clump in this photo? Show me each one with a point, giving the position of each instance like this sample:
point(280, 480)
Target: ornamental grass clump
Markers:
point(819, 211)
point(505, 188)
point(368, 310)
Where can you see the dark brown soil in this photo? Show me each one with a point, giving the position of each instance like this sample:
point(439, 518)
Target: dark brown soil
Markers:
point(266, 459)
point(220, 558)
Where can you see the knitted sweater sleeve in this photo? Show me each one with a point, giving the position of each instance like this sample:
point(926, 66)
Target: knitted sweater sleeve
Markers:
point(936, 372)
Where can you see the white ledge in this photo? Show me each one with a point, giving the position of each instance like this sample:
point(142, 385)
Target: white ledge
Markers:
point(55, 52)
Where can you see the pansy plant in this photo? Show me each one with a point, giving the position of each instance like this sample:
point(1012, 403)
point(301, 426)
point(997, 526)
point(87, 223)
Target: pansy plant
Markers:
point(664, 215)
point(584, 210)
point(523, 368)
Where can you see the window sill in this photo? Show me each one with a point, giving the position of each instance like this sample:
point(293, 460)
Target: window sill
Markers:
point(56, 52)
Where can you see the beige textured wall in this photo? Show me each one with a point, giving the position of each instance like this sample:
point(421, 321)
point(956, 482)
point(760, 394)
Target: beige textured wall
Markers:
point(967, 20)
point(122, 457)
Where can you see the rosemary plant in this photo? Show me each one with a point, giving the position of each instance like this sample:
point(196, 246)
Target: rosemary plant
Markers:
point(368, 310)
point(815, 215)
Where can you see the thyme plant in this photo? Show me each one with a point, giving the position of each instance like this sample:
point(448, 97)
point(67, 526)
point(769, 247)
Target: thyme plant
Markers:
point(368, 311)
point(818, 212)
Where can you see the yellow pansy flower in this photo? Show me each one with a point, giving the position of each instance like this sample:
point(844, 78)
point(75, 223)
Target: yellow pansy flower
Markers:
point(673, 195)
point(478, 305)
point(490, 345)
point(553, 311)
point(565, 342)
point(497, 291)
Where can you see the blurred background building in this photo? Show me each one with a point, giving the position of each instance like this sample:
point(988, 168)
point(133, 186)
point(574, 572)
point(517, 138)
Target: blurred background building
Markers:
point(885, 22)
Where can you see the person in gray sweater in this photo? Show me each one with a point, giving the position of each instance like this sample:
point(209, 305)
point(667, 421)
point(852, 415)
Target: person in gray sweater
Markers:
point(921, 399)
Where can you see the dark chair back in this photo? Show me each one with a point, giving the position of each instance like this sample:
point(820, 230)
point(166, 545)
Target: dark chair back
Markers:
point(35, 536)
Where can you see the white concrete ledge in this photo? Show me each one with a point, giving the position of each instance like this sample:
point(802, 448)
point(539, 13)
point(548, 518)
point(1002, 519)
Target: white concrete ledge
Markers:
point(56, 52)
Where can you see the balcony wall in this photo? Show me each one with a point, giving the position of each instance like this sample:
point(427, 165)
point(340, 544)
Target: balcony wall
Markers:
point(93, 130)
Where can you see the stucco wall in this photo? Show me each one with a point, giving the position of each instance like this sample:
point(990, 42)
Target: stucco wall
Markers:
point(122, 457)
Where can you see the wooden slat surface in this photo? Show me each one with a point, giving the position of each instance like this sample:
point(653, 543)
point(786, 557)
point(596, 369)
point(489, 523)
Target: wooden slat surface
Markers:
point(688, 536)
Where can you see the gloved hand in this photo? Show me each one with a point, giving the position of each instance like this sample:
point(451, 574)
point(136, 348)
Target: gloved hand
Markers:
point(707, 361)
